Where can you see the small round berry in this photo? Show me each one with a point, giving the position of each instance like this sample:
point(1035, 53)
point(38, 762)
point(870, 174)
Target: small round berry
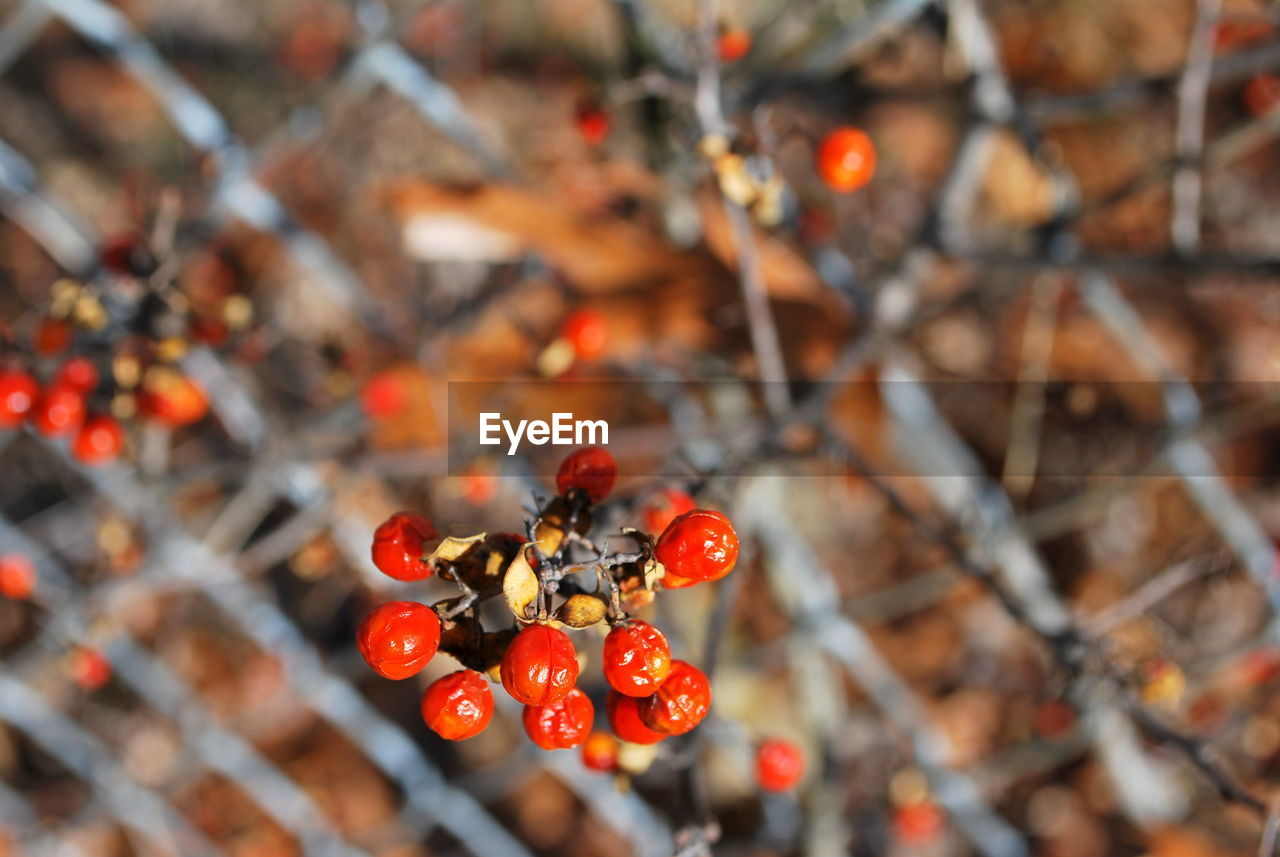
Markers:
point(779, 765)
point(664, 507)
point(540, 666)
point(680, 703)
point(384, 395)
point(458, 706)
point(624, 718)
point(918, 823)
point(1262, 94)
point(733, 45)
point(79, 374)
point(600, 752)
point(846, 159)
point(398, 545)
point(560, 725)
point(18, 392)
point(52, 336)
point(588, 333)
point(698, 545)
point(58, 411)
point(90, 669)
point(592, 122)
point(591, 469)
point(171, 398)
point(637, 658)
point(17, 577)
point(99, 440)
point(398, 638)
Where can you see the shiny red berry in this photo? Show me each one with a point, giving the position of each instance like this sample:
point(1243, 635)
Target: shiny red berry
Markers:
point(79, 374)
point(399, 638)
point(846, 159)
point(593, 123)
point(458, 706)
point(99, 440)
point(600, 752)
point(591, 470)
point(624, 718)
point(664, 507)
point(733, 45)
point(58, 411)
point(398, 546)
point(779, 765)
point(540, 666)
point(588, 333)
point(18, 393)
point(17, 577)
point(560, 725)
point(680, 703)
point(637, 658)
point(698, 545)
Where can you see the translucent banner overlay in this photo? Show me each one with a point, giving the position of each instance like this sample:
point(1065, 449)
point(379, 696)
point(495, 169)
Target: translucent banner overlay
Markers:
point(1061, 429)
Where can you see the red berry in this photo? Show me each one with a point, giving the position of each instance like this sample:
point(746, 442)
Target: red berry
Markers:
point(733, 45)
point(540, 666)
point(779, 765)
point(593, 123)
point(664, 507)
point(79, 374)
point(917, 823)
point(172, 399)
point(600, 752)
point(1262, 94)
point(846, 159)
point(99, 440)
point(58, 411)
point(637, 658)
point(458, 706)
point(591, 469)
point(17, 577)
point(52, 336)
point(398, 638)
point(384, 395)
point(560, 725)
point(398, 546)
point(698, 545)
point(587, 332)
point(18, 392)
point(90, 669)
point(624, 716)
point(1054, 718)
point(680, 703)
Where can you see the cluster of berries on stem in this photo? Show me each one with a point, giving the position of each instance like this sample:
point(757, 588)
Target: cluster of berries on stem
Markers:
point(555, 581)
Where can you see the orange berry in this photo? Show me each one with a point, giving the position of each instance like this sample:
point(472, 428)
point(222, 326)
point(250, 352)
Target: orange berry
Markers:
point(600, 752)
point(560, 725)
point(779, 765)
point(17, 577)
point(458, 706)
point(540, 666)
point(846, 159)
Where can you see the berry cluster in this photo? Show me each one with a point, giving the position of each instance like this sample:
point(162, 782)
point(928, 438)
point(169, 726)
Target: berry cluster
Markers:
point(543, 577)
point(106, 351)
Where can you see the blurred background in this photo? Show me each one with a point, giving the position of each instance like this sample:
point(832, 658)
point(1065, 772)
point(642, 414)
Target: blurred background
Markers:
point(998, 429)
